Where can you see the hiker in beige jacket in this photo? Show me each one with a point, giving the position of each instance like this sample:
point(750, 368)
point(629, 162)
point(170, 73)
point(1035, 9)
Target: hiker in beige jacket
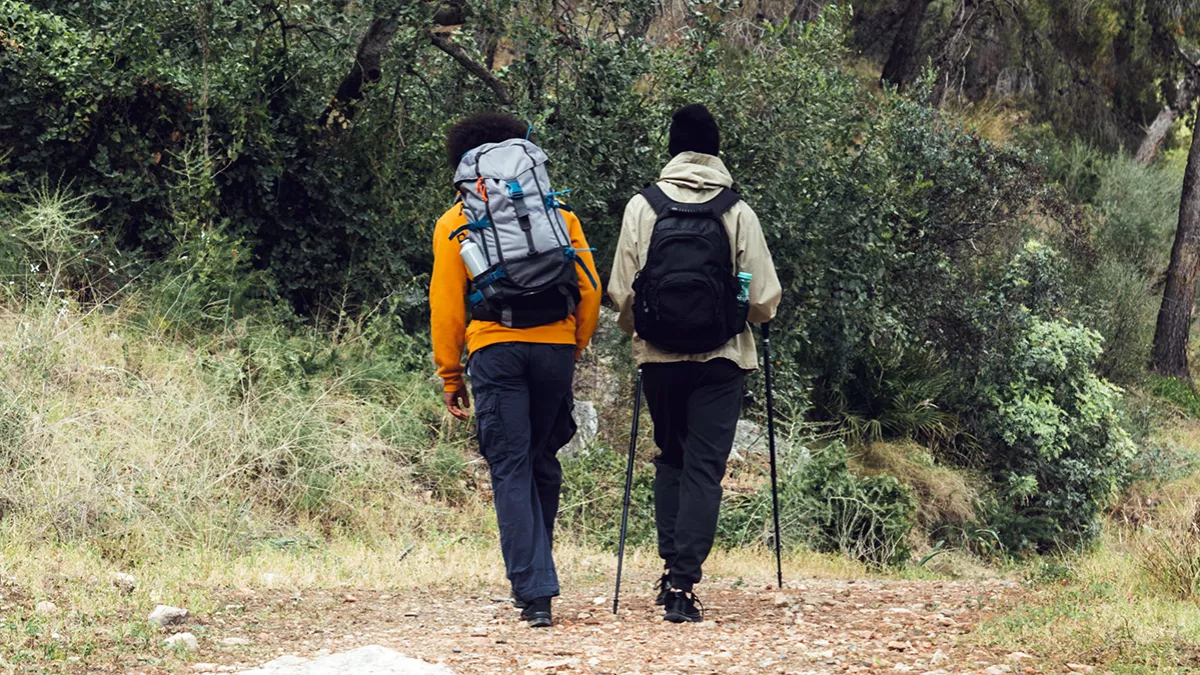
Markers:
point(694, 398)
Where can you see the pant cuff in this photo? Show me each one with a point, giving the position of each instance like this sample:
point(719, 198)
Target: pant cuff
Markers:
point(538, 592)
point(681, 585)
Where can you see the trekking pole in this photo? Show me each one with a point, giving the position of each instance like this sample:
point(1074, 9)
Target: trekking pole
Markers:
point(766, 336)
point(637, 412)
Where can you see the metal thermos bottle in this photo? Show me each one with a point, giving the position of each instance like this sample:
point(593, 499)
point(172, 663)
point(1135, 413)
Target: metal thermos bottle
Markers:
point(476, 263)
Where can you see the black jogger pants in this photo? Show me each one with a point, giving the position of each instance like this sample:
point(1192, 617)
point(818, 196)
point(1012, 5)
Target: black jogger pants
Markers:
point(695, 408)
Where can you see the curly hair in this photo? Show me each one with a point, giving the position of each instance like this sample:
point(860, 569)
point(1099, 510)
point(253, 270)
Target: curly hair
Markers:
point(479, 129)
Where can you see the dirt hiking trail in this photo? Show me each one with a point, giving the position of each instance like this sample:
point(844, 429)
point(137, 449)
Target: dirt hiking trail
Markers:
point(812, 627)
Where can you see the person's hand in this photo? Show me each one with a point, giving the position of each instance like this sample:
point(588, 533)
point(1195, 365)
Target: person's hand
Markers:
point(458, 402)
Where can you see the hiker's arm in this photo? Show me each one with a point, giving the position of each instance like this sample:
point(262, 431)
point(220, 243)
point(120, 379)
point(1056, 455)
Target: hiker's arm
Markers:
point(447, 308)
point(587, 314)
point(626, 265)
point(754, 257)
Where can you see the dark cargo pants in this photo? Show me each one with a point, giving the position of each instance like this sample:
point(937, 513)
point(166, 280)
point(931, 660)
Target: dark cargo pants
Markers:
point(695, 408)
point(523, 406)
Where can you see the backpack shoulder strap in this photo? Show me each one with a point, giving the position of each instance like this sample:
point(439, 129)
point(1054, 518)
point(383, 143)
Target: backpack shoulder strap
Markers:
point(724, 201)
point(659, 201)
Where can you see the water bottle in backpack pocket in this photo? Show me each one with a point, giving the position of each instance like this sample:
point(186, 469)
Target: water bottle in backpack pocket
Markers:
point(515, 227)
point(686, 296)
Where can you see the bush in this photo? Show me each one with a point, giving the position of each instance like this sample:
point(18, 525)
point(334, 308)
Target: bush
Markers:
point(1059, 452)
point(866, 519)
point(593, 491)
point(825, 508)
point(945, 497)
point(1177, 393)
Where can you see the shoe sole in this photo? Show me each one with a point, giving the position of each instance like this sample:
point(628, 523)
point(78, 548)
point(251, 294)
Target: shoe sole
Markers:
point(679, 617)
point(539, 622)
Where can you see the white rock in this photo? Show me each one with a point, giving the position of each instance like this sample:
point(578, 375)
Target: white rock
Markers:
point(900, 610)
point(204, 667)
point(599, 601)
point(748, 439)
point(46, 608)
point(235, 641)
point(1080, 668)
point(186, 640)
point(587, 427)
point(1020, 656)
point(781, 600)
point(126, 583)
point(372, 660)
point(165, 615)
point(998, 670)
point(939, 657)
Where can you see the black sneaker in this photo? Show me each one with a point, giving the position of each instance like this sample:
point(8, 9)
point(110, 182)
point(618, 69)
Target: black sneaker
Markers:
point(683, 607)
point(518, 602)
point(663, 587)
point(537, 613)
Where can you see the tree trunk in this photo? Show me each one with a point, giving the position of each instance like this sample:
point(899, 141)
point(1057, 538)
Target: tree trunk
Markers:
point(1179, 296)
point(904, 46)
point(806, 10)
point(953, 50)
point(366, 70)
point(1185, 95)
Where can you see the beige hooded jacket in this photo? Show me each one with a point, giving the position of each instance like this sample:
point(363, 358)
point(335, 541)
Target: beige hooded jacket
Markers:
point(692, 178)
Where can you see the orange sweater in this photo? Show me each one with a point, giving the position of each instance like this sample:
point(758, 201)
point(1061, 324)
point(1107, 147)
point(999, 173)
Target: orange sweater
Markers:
point(448, 308)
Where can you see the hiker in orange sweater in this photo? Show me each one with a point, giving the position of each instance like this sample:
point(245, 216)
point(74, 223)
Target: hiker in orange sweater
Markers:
point(514, 259)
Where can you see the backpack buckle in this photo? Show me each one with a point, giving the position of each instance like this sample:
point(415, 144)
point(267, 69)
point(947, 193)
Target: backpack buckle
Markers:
point(514, 190)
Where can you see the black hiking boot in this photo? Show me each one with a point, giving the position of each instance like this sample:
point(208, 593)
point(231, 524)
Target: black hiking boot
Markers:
point(683, 607)
point(663, 587)
point(537, 613)
point(518, 602)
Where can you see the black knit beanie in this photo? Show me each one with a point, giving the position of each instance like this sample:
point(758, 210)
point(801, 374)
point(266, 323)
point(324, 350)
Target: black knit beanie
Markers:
point(693, 129)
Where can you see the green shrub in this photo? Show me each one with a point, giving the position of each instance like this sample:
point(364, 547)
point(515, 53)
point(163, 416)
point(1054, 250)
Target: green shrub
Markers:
point(1121, 305)
point(866, 519)
point(592, 495)
point(826, 508)
point(1177, 393)
point(1058, 451)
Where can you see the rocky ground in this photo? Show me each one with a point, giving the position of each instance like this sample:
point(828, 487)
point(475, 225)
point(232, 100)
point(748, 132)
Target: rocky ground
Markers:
point(820, 626)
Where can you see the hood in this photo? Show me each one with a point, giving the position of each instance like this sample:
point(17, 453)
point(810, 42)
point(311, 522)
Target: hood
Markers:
point(696, 171)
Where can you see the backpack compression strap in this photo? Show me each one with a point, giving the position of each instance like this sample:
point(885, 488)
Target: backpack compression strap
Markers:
point(717, 206)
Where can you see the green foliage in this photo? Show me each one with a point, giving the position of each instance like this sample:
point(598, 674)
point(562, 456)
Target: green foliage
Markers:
point(193, 135)
point(1059, 454)
point(824, 507)
point(867, 519)
point(593, 491)
point(892, 393)
point(1177, 393)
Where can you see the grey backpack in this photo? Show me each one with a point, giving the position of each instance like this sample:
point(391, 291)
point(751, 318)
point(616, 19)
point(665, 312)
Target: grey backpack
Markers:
point(513, 216)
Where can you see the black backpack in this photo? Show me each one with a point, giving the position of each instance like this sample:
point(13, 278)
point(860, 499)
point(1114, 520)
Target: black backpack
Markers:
point(686, 295)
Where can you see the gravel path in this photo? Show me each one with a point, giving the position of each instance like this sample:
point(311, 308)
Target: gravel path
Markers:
point(822, 626)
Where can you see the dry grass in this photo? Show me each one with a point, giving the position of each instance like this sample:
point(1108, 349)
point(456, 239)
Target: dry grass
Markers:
point(996, 120)
point(1105, 610)
point(117, 436)
point(944, 495)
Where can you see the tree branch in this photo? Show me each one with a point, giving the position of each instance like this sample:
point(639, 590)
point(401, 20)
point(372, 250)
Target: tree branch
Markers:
point(366, 69)
point(456, 52)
